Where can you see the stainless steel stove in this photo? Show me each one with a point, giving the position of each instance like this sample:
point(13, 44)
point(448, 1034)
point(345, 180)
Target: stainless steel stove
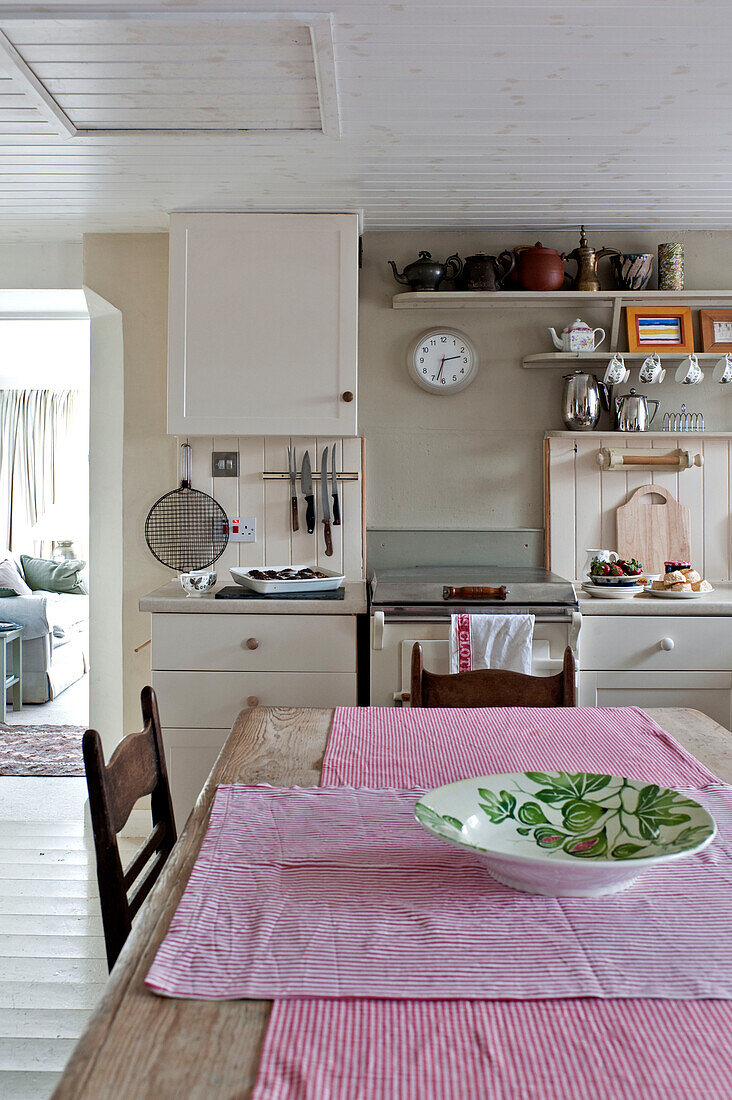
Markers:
point(415, 604)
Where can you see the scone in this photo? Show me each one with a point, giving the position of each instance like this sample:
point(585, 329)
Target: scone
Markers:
point(702, 586)
point(659, 586)
point(691, 575)
point(681, 587)
point(677, 577)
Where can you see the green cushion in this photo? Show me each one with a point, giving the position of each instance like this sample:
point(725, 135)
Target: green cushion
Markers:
point(53, 576)
point(7, 592)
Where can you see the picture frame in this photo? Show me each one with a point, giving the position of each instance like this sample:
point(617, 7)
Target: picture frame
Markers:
point(716, 329)
point(660, 328)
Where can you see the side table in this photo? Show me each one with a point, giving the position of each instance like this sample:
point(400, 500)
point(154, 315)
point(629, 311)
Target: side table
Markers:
point(11, 665)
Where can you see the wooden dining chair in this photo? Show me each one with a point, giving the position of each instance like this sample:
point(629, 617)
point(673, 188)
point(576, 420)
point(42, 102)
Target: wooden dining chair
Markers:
point(136, 768)
point(492, 687)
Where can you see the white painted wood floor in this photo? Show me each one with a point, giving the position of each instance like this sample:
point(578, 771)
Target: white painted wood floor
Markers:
point(52, 961)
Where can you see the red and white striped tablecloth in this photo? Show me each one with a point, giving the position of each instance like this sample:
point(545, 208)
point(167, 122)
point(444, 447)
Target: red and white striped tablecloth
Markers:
point(358, 1049)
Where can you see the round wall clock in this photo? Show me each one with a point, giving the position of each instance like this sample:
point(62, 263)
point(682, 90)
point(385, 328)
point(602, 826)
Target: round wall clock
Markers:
point(442, 361)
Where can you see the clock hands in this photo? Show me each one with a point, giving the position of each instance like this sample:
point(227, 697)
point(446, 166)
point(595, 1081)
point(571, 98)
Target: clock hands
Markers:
point(445, 359)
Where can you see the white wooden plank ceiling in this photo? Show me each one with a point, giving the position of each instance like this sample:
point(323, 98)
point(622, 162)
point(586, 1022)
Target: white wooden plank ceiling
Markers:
point(514, 113)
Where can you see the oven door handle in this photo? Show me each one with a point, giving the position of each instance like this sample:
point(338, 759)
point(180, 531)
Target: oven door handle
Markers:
point(378, 641)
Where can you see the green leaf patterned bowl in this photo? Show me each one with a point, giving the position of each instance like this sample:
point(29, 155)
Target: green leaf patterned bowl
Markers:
point(566, 834)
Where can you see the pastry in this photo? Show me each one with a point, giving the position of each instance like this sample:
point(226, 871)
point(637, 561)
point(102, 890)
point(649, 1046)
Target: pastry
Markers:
point(676, 577)
point(658, 586)
point(702, 586)
point(691, 575)
point(681, 587)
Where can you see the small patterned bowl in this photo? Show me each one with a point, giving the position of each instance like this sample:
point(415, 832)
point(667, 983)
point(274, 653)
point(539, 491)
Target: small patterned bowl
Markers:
point(614, 582)
point(197, 583)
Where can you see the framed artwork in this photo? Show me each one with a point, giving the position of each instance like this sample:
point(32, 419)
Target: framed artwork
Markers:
point(716, 329)
point(660, 328)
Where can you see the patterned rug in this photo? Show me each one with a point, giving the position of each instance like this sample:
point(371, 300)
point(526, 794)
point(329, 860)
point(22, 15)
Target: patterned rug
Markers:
point(41, 750)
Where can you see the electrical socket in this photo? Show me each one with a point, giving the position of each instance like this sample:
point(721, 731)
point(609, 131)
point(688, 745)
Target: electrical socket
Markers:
point(242, 528)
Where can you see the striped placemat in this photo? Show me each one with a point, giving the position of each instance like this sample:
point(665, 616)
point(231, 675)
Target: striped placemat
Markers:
point(338, 892)
point(506, 1050)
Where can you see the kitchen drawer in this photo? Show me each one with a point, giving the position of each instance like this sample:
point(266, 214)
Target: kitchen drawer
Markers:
point(284, 643)
point(633, 643)
point(213, 699)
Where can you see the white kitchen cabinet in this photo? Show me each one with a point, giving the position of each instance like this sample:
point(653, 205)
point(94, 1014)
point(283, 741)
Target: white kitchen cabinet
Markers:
point(709, 692)
point(263, 320)
point(206, 668)
point(657, 661)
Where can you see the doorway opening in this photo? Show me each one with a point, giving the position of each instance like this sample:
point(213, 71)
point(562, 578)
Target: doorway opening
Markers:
point(44, 528)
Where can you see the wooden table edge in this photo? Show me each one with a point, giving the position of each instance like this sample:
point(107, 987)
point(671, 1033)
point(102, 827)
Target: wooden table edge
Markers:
point(152, 923)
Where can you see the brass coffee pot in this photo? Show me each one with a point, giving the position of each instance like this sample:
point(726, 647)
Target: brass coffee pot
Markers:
point(587, 259)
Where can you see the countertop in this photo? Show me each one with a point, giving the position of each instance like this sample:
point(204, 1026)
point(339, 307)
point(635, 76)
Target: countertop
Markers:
point(718, 602)
point(171, 598)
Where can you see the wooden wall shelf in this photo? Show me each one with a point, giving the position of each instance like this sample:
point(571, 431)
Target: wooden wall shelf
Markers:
point(567, 358)
point(512, 299)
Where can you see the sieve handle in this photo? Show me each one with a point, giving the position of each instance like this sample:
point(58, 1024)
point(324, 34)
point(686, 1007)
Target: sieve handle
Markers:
point(185, 465)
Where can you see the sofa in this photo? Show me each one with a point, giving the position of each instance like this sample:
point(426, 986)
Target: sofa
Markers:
point(55, 640)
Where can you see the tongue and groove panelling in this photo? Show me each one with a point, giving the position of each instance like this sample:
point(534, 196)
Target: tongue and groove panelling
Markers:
point(583, 499)
point(269, 502)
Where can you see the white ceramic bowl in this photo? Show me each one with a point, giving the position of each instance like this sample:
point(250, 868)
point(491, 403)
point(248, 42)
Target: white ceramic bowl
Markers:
point(198, 582)
point(562, 834)
point(615, 582)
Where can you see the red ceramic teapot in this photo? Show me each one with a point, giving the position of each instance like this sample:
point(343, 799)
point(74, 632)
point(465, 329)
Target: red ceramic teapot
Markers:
point(539, 268)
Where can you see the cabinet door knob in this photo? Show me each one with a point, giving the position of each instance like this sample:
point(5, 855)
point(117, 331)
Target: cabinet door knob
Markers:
point(667, 643)
point(252, 643)
point(252, 701)
point(347, 396)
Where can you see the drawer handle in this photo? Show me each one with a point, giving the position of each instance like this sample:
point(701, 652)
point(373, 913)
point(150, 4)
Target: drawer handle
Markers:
point(667, 643)
point(252, 643)
point(252, 701)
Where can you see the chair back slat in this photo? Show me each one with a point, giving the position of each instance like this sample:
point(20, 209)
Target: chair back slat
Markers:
point(136, 768)
point(132, 773)
point(491, 687)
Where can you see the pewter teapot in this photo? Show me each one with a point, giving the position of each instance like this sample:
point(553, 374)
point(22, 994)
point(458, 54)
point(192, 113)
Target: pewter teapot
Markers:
point(426, 273)
point(631, 412)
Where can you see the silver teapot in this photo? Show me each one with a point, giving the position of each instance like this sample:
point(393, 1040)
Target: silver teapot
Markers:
point(583, 400)
point(631, 412)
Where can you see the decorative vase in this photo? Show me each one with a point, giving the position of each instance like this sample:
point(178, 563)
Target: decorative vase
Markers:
point(632, 270)
point(670, 267)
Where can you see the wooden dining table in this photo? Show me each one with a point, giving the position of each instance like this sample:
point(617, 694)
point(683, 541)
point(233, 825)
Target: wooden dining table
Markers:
point(140, 1045)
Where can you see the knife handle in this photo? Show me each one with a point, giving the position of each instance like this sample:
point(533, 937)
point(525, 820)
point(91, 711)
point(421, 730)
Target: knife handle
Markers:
point(336, 510)
point(310, 514)
point(474, 592)
point(328, 539)
point(295, 518)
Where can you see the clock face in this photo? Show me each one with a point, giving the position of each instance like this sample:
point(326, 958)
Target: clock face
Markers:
point(442, 361)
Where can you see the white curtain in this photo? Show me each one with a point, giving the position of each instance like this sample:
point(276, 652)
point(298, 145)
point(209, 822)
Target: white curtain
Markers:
point(43, 454)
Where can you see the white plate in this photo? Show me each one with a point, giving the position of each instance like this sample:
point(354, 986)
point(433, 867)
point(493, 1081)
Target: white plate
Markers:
point(612, 593)
point(669, 595)
point(580, 834)
point(327, 583)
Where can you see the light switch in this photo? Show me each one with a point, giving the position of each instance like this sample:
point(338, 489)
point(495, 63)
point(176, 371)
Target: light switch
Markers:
point(225, 464)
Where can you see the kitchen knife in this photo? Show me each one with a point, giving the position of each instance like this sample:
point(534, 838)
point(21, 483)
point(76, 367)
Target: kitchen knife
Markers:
point(336, 501)
point(292, 468)
point(306, 481)
point(325, 502)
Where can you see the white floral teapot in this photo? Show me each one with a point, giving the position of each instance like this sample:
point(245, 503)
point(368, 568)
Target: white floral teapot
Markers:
point(578, 337)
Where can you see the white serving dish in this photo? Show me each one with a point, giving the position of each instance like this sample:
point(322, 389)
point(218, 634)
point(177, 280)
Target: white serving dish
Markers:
point(669, 595)
point(617, 593)
point(573, 840)
point(327, 583)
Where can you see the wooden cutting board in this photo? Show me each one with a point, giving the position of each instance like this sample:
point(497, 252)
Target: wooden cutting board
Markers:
point(654, 530)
